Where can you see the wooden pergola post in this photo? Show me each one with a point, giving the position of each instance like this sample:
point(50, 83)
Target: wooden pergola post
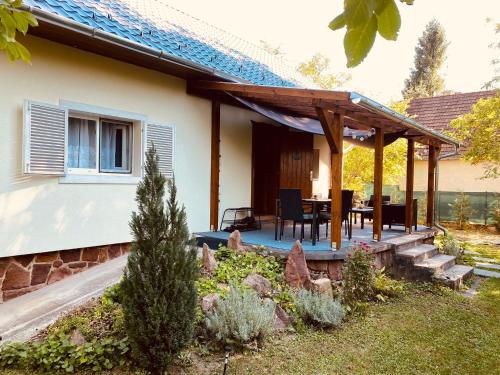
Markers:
point(333, 126)
point(431, 181)
point(377, 184)
point(214, 166)
point(410, 162)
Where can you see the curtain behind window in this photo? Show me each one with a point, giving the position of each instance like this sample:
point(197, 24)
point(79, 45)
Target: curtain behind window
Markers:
point(81, 143)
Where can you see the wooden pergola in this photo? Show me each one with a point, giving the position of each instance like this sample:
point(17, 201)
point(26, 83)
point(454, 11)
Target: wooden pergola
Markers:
point(334, 110)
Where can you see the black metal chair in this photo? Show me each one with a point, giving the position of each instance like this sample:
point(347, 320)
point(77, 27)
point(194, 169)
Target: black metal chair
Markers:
point(291, 209)
point(386, 199)
point(347, 196)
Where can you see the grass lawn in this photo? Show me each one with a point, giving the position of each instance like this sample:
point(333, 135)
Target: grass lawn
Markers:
point(422, 333)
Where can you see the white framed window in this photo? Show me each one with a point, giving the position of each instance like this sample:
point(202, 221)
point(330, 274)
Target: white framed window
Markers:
point(90, 144)
point(115, 147)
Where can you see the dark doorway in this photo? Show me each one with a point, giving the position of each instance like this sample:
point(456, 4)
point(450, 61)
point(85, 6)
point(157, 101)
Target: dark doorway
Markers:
point(281, 159)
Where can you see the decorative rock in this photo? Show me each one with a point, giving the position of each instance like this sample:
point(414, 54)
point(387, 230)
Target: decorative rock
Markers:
point(58, 263)
point(281, 318)
point(323, 286)
point(16, 277)
point(234, 241)
point(90, 254)
point(259, 283)
point(70, 255)
point(9, 294)
point(46, 257)
point(39, 273)
point(77, 338)
point(209, 262)
point(59, 274)
point(209, 302)
point(114, 251)
point(296, 271)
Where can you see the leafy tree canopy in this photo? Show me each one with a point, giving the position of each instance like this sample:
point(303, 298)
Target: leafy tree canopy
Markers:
point(362, 19)
point(430, 54)
point(479, 130)
point(14, 20)
point(494, 82)
point(318, 70)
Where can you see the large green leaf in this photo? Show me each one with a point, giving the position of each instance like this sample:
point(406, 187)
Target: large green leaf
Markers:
point(358, 12)
point(338, 22)
point(359, 40)
point(388, 19)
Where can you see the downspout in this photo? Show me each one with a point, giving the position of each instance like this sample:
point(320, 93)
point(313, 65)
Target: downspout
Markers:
point(436, 190)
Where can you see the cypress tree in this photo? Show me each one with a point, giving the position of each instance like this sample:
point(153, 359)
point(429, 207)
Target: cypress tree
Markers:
point(159, 294)
point(430, 54)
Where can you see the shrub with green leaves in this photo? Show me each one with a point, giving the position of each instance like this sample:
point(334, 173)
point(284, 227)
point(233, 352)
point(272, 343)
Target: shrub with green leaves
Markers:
point(57, 353)
point(233, 266)
point(359, 275)
point(386, 287)
point(241, 317)
point(319, 309)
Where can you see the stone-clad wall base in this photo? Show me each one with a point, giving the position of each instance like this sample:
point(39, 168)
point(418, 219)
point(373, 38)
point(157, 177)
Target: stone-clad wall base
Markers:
point(333, 268)
point(25, 273)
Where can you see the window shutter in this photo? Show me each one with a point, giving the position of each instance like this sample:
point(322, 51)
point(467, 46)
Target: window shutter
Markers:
point(162, 136)
point(45, 128)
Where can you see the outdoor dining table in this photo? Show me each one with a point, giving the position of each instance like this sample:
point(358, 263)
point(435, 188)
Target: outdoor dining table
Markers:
point(315, 203)
point(362, 211)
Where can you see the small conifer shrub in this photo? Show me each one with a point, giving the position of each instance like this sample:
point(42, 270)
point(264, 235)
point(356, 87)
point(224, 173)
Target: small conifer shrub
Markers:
point(158, 289)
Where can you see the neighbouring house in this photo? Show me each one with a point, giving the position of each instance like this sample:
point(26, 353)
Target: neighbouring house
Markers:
point(455, 174)
point(232, 122)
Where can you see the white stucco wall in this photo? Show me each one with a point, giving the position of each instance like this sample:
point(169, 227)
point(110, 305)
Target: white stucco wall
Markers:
point(322, 184)
point(454, 175)
point(39, 214)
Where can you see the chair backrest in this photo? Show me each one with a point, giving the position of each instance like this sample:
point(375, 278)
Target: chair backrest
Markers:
point(291, 204)
point(346, 202)
point(385, 199)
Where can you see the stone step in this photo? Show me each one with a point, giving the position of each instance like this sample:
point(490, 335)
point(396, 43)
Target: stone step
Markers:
point(486, 273)
point(410, 240)
point(438, 263)
point(455, 276)
point(417, 254)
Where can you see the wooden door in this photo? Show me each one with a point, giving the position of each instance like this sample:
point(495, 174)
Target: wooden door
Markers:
point(296, 162)
point(281, 158)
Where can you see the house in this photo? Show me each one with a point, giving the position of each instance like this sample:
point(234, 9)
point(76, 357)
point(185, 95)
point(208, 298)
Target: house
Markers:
point(455, 174)
point(109, 78)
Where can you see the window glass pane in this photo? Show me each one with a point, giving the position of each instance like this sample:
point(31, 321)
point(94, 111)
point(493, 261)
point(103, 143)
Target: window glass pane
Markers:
point(115, 147)
point(81, 143)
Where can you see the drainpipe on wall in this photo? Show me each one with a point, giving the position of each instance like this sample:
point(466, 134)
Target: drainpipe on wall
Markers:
point(436, 190)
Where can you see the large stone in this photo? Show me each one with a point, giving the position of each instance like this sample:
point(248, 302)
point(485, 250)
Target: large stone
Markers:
point(90, 254)
point(259, 283)
point(234, 241)
point(39, 273)
point(59, 274)
point(70, 255)
point(209, 302)
point(114, 251)
point(296, 271)
point(281, 319)
point(47, 257)
point(16, 277)
point(323, 286)
point(209, 262)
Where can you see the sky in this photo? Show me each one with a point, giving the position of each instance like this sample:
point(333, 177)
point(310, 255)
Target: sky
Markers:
point(300, 29)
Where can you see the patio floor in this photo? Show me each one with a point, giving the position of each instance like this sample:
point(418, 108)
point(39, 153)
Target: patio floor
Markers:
point(265, 236)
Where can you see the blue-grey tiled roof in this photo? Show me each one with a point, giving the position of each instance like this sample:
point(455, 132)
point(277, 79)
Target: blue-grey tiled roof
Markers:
point(155, 24)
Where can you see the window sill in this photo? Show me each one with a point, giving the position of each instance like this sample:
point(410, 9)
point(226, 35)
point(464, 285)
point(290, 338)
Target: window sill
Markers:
point(99, 179)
